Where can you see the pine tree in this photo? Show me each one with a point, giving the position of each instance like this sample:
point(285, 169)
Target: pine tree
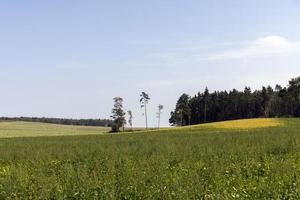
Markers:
point(160, 108)
point(129, 112)
point(144, 99)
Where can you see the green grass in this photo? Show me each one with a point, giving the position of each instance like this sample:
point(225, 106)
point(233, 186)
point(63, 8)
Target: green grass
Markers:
point(33, 129)
point(189, 163)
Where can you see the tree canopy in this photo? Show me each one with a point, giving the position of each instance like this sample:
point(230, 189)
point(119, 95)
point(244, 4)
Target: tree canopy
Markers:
point(230, 105)
point(118, 114)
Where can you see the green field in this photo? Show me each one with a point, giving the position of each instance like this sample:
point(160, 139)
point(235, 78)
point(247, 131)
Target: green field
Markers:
point(33, 129)
point(254, 159)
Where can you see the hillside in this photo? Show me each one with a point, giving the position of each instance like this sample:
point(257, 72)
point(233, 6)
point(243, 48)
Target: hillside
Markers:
point(33, 129)
point(242, 124)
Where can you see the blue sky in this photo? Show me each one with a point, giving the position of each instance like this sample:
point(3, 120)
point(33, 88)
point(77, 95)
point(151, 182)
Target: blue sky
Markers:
point(69, 58)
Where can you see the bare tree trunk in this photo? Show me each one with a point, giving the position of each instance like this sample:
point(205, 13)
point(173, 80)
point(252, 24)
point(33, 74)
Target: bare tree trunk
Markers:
point(146, 116)
point(158, 120)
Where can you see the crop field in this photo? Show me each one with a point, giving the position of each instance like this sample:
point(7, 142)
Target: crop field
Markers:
point(244, 159)
point(33, 129)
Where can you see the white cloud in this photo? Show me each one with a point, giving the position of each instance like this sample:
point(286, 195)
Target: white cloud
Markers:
point(266, 47)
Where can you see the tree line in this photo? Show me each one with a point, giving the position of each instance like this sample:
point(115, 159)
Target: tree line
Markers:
point(118, 113)
point(230, 105)
point(81, 122)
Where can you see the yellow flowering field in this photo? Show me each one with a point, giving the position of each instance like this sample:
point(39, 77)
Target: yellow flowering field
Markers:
point(242, 124)
point(245, 124)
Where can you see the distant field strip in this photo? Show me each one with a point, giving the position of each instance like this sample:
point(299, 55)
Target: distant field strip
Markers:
point(245, 124)
point(35, 129)
point(32, 129)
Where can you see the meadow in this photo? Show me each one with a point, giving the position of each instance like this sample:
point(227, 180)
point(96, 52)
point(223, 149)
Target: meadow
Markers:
point(29, 129)
point(245, 159)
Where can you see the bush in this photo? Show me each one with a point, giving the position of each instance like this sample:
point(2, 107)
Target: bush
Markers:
point(114, 129)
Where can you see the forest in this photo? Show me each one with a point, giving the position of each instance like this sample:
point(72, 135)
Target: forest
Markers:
point(230, 105)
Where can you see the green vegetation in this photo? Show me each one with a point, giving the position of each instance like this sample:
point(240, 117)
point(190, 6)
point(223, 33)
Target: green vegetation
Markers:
point(230, 105)
point(32, 129)
point(213, 162)
point(118, 115)
point(144, 100)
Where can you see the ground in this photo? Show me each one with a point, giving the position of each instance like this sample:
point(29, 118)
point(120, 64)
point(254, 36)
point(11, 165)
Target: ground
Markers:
point(247, 159)
point(34, 129)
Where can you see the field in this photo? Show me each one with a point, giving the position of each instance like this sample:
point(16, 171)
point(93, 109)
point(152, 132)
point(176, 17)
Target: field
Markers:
point(245, 159)
point(30, 129)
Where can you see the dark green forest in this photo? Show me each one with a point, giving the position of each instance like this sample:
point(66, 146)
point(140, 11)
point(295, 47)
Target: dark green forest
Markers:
point(230, 105)
point(80, 122)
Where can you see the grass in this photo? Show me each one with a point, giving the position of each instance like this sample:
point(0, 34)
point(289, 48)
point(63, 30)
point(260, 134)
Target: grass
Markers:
point(196, 162)
point(34, 129)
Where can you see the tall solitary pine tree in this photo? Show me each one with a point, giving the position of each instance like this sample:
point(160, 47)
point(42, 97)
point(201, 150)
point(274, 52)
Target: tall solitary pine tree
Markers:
point(144, 99)
point(129, 112)
point(160, 108)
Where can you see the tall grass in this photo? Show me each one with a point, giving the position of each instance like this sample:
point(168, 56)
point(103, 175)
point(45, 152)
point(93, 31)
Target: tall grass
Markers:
point(173, 164)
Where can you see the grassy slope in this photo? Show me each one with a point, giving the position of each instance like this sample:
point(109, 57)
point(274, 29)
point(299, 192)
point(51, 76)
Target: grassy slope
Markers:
point(35, 129)
point(32, 129)
point(194, 162)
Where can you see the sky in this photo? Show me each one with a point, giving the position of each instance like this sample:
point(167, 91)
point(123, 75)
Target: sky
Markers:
point(70, 58)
